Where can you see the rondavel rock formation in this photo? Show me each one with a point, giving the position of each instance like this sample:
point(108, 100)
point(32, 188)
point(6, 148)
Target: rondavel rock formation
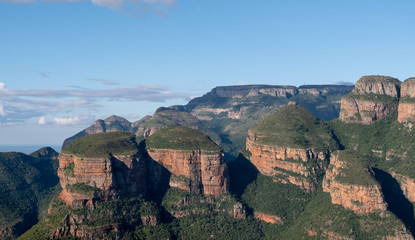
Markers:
point(290, 147)
point(406, 110)
point(362, 197)
point(196, 165)
point(88, 179)
point(373, 98)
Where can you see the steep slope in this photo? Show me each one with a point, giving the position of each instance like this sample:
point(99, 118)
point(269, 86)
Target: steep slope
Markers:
point(194, 161)
point(27, 184)
point(101, 167)
point(406, 110)
point(373, 98)
point(292, 145)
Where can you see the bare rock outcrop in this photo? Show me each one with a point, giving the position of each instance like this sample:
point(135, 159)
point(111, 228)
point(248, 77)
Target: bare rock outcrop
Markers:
point(373, 98)
point(351, 185)
point(406, 110)
point(284, 164)
point(194, 171)
point(87, 180)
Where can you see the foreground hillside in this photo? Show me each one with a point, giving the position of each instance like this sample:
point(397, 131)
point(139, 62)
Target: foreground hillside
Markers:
point(27, 184)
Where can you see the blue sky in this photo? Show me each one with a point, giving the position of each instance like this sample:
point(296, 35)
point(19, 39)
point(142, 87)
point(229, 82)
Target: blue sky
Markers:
point(64, 64)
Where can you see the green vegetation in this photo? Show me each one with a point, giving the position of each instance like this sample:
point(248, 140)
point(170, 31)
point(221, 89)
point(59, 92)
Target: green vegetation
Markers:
point(83, 188)
point(357, 169)
point(296, 127)
point(26, 186)
point(388, 144)
point(70, 169)
point(103, 144)
point(181, 138)
point(323, 217)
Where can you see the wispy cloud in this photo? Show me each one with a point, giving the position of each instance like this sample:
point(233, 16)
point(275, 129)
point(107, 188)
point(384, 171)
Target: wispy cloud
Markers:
point(20, 105)
point(44, 74)
point(104, 81)
point(159, 7)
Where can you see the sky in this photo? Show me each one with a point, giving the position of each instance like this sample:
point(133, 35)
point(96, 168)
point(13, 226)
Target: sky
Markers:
point(66, 63)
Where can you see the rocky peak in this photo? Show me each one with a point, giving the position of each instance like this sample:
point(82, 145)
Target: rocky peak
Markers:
point(117, 120)
point(375, 84)
point(350, 183)
point(408, 88)
point(101, 167)
point(406, 110)
point(292, 146)
point(373, 98)
point(195, 163)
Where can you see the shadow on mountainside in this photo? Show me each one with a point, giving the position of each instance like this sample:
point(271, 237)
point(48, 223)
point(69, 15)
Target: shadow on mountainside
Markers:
point(398, 204)
point(242, 173)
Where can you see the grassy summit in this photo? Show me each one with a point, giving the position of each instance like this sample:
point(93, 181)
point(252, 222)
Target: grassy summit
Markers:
point(181, 138)
point(102, 144)
point(295, 126)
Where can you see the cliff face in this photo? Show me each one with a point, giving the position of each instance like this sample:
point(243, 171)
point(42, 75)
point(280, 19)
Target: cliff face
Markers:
point(194, 171)
point(407, 185)
point(373, 98)
point(287, 165)
point(87, 180)
point(361, 197)
point(406, 110)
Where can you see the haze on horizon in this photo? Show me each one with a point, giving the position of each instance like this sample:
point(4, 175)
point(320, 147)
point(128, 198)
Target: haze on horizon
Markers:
point(65, 64)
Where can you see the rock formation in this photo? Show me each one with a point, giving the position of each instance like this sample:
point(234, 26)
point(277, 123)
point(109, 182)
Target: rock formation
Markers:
point(292, 146)
point(373, 98)
point(351, 185)
point(406, 110)
point(118, 173)
point(195, 163)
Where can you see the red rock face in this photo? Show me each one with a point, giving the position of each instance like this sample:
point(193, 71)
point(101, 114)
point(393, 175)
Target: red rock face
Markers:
point(194, 171)
point(373, 98)
point(268, 218)
point(406, 110)
point(381, 85)
point(355, 110)
point(280, 162)
point(360, 199)
point(407, 185)
point(113, 177)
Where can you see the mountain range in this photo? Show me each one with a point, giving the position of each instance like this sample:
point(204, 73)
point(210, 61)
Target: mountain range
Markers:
point(240, 162)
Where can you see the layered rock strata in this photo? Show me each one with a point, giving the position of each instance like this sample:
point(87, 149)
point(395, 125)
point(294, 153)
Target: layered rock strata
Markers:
point(195, 171)
point(87, 180)
point(373, 98)
point(286, 165)
point(406, 110)
point(362, 198)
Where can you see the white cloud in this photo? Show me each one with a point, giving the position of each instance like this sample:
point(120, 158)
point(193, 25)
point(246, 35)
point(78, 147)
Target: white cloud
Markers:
point(66, 121)
point(2, 85)
point(76, 120)
point(42, 120)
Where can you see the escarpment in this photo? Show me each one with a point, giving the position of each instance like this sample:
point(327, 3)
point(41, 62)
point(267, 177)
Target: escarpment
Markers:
point(350, 184)
point(292, 146)
point(194, 161)
point(373, 98)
